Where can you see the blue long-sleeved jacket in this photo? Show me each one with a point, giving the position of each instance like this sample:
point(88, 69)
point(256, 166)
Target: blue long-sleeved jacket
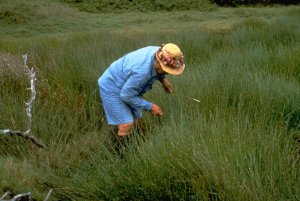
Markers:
point(131, 76)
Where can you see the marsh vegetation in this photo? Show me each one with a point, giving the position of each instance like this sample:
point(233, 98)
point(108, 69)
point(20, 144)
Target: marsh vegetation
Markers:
point(240, 142)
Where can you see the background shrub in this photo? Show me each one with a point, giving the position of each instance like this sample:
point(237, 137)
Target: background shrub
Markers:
point(145, 5)
point(161, 5)
point(253, 2)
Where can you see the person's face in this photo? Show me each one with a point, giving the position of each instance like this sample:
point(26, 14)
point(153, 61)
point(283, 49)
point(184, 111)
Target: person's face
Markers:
point(159, 69)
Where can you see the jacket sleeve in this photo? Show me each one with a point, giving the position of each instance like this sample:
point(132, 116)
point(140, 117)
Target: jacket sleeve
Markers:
point(130, 93)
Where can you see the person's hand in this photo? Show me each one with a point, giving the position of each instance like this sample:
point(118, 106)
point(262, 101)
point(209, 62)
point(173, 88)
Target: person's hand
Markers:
point(167, 85)
point(155, 110)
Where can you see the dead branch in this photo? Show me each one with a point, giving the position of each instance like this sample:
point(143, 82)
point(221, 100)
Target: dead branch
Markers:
point(17, 197)
point(26, 196)
point(29, 104)
point(25, 135)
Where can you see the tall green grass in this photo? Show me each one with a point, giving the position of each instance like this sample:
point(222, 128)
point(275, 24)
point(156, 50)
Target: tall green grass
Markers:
point(240, 142)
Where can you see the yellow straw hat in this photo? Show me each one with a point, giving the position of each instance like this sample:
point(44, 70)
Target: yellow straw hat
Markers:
point(170, 58)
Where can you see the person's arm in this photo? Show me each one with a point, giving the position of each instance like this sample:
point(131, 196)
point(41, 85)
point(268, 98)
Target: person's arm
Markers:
point(130, 93)
point(166, 84)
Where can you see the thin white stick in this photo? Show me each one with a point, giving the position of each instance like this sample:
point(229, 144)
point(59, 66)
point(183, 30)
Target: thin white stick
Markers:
point(194, 99)
point(29, 104)
point(4, 195)
point(48, 195)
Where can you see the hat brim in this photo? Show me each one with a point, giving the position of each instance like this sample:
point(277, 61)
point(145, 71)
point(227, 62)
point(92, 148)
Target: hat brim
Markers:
point(170, 70)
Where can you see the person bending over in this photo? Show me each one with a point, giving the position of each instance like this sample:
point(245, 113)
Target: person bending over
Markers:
point(128, 78)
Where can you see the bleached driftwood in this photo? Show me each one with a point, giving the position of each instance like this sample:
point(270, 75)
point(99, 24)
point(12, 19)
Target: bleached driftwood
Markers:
point(23, 196)
point(17, 197)
point(25, 135)
point(29, 104)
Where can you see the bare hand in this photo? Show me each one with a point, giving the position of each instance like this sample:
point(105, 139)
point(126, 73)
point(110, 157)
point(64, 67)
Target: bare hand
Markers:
point(155, 110)
point(167, 85)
